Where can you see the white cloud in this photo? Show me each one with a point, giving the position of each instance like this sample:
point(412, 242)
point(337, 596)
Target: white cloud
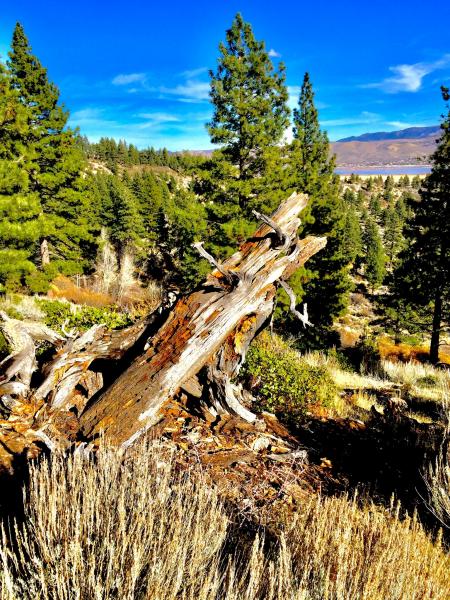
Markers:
point(127, 78)
point(190, 74)
point(86, 114)
point(274, 54)
point(159, 117)
point(408, 78)
point(190, 91)
point(403, 125)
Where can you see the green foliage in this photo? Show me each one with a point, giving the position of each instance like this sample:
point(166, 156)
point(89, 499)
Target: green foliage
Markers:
point(250, 116)
point(324, 283)
point(375, 257)
point(352, 236)
point(55, 161)
point(423, 274)
point(81, 317)
point(284, 383)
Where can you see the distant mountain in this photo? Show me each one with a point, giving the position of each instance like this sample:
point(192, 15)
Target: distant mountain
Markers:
point(411, 133)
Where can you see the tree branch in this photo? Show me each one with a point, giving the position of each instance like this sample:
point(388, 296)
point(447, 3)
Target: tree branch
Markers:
point(293, 303)
point(231, 277)
point(283, 239)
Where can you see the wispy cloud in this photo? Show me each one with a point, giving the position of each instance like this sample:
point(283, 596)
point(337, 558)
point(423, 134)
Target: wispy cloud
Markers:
point(190, 91)
point(86, 114)
point(403, 124)
point(274, 54)
point(159, 117)
point(127, 78)
point(191, 74)
point(409, 78)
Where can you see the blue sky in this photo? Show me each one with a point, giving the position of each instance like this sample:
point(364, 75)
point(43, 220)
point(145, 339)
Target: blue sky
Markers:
point(138, 70)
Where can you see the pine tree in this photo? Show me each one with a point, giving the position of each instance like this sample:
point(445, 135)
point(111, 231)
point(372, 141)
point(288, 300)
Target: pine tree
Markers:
point(352, 238)
point(393, 232)
point(250, 117)
point(326, 283)
point(56, 170)
point(374, 257)
point(424, 273)
point(20, 209)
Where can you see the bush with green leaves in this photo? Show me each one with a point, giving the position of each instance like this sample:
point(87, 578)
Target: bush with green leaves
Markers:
point(282, 382)
point(81, 317)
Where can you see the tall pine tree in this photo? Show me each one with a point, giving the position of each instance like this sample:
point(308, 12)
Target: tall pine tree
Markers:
point(325, 283)
point(56, 170)
point(250, 117)
point(424, 273)
point(374, 254)
point(20, 209)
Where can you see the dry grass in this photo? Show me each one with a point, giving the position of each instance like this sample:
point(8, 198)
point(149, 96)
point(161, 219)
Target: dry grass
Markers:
point(437, 479)
point(63, 287)
point(25, 306)
point(406, 352)
point(131, 527)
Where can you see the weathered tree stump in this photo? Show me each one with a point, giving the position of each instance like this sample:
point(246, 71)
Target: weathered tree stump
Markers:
point(194, 350)
point(205, 338)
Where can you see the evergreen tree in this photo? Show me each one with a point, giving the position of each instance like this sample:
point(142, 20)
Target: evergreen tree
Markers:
point(250, 116)
point(20, 209)
point(122, 218)
point(352, 239)
point(375, 206)
point(416, 182)
point(374, 257)
point(325, 284)
point(56, 169)
point(424, 274)
point(393, 232)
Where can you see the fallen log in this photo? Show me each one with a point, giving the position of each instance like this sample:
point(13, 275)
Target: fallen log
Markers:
point(203, 343)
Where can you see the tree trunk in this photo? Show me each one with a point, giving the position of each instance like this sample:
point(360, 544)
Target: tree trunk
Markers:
point(194, 349)
point(203, 342)
point(45, 254)
point(436, 328)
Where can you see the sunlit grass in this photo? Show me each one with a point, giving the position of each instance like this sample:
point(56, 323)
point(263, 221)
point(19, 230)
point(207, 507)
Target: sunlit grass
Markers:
point(133, 527)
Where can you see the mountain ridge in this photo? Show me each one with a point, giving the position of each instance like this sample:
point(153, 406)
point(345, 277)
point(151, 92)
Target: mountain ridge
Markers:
point(400, 134)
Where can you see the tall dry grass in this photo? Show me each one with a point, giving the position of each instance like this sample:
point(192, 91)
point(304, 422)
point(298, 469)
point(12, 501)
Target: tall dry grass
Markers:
point(133, 527)
point(437, 478)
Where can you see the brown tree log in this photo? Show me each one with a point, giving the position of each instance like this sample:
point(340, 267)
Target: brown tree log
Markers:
point(203, 343)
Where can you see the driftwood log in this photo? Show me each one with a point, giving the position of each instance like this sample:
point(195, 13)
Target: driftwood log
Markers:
point(196, 349)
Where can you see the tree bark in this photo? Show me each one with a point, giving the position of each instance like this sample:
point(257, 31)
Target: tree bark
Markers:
point(436, 328)
point(203, 342)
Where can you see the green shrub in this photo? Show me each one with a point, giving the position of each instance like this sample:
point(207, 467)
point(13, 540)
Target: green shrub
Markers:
point(4, 349)
point(427, 380)
point(283, 382)
point(81, 317)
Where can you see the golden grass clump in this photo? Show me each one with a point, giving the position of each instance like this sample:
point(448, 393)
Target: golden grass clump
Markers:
point(63, 287)
point(342, 551)
point(131, 526)
point(406, 352)
point(113, 526)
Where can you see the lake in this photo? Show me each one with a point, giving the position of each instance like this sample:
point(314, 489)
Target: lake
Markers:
point(398, 170)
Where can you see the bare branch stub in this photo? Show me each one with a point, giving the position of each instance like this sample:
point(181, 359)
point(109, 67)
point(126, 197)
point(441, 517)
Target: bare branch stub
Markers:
point(283, 240)
point(293, 305)
point(231, 277)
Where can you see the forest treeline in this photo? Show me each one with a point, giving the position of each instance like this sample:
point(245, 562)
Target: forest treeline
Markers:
point(63, 198)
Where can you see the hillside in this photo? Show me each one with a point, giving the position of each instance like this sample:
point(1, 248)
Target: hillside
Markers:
point(412, 146)
point(411, 133)
point(384, 152)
